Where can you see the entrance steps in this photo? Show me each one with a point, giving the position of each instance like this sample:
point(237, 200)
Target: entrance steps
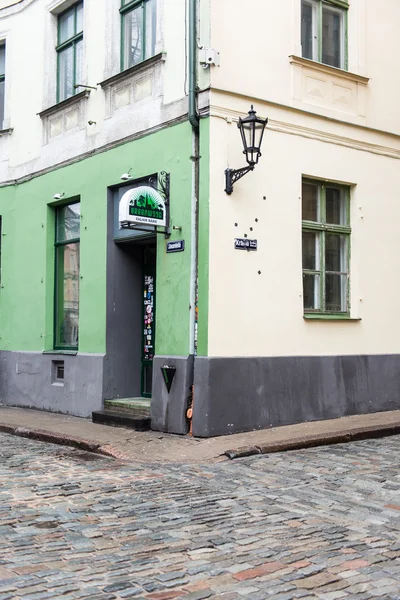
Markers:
point(133, 413)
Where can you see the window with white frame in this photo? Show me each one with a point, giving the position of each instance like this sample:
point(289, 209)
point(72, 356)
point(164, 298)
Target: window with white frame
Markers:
point(324, 31)
point(139, 24)
point(326, 247)
point(2, 81)
point(69, 51)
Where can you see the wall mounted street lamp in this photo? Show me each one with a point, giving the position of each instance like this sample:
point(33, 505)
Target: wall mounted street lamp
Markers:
point(252, 131)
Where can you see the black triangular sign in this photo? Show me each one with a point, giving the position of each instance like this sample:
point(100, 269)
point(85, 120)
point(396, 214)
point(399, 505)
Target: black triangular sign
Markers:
point(168, 374)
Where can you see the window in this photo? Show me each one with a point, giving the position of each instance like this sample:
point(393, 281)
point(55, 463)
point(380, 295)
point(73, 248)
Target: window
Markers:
point(326, 247)
point(67, 276)
point(324, 31)
point(2, 82)
point(69, 51)
point(138, 31)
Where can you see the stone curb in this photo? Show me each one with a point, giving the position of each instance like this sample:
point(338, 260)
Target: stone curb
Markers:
point(64, 440)
point(321, 439)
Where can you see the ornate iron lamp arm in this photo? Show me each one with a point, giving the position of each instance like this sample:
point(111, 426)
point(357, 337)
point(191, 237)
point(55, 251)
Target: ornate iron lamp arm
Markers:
point(232, 176)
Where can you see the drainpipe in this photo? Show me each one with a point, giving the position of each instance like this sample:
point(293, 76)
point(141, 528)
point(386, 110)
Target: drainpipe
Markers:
point(193, 116)
point(194, 121)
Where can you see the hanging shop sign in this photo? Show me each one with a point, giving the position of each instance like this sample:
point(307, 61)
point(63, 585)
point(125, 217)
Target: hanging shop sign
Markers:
point(177, 246)
point(144, 206)
point(245, 244)
point(147, 206)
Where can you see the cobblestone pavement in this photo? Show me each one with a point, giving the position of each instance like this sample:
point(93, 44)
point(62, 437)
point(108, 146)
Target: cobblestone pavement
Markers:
point(318, 523)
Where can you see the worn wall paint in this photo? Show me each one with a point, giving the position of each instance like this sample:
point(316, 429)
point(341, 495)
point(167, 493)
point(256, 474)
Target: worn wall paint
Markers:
point(116, 111)
point(28, 235)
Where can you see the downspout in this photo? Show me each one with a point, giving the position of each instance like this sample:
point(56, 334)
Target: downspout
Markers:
point(193, 116)
point(194, 121)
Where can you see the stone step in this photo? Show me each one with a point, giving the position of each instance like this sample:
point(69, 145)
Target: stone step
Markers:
point(139, 407)
point(121, 419)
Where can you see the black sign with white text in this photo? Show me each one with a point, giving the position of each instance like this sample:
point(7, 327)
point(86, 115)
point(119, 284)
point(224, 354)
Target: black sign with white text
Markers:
point(245, 244)
point(177, 246)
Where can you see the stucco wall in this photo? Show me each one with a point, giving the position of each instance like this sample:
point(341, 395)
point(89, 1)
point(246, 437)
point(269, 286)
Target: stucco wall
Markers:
point(252, 314)
point(152, 95)
point(27, 285)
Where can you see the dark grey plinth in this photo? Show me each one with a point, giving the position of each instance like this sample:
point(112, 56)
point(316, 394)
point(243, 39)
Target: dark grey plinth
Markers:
point(168, 410)
point(26, 379)
point(244, 394)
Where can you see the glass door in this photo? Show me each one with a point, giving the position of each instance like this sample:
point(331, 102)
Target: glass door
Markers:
point(148, 338)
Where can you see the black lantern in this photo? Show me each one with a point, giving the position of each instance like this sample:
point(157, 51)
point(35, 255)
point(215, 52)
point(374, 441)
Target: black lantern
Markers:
point(252, 132)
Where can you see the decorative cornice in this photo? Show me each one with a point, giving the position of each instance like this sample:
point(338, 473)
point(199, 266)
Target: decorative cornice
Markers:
point(307, 132)
point(127, 74)
point(327, 69)
point(64, 104)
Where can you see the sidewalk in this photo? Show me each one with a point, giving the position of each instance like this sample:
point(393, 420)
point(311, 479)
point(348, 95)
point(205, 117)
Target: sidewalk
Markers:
point(152, 446)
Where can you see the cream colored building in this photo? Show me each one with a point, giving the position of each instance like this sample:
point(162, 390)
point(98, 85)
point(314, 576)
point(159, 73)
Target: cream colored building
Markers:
point(289, 341)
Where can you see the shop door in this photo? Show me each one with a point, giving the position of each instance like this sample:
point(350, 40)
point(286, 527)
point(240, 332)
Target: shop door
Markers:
point(148, 318)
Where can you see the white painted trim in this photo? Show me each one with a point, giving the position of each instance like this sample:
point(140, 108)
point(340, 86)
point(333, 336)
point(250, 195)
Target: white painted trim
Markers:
point(321, 68)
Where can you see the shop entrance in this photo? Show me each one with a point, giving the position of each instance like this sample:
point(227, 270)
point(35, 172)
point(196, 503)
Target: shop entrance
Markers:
point(131, 305)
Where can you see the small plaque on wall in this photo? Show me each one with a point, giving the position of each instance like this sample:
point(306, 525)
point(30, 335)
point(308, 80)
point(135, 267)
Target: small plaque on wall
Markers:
point(177, 246)
point(245, 244)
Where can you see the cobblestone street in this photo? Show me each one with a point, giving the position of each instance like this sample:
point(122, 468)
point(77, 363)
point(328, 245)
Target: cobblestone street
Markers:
point(316, 523)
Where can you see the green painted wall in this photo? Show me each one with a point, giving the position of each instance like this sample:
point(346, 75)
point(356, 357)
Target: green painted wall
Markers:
point(203, 238)
point(26, 295)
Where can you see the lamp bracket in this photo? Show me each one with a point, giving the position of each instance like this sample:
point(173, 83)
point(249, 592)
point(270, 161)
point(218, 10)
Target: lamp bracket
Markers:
point(233, 175)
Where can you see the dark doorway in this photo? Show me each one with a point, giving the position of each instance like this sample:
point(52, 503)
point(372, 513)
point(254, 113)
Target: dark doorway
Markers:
point(131, 293)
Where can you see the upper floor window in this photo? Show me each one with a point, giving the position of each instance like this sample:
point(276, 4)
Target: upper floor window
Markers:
point(2, 82)
point(324, 31)
point(69, 51)
point(138, 31)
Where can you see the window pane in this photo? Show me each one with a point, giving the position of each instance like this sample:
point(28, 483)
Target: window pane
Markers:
point(336, 293)
point(66, 73)
point(2, 60)
point(133, 23)
point(311, 291)
point(68, 222)
point(310, 199)
point(151, 23)
point(311, 250)
point(307, 41)
point(2, 89)
point(78, 62)
point(336, 253)
point(67, 295)
point(79, 18)
point(336, 213)
point(66, 25)
point(332, 36)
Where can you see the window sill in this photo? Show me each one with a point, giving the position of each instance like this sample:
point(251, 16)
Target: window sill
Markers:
point(328, 317)
point(133, 70)
point(57, 352)
point(322, 68)
point(64, 104)
point(6, 131)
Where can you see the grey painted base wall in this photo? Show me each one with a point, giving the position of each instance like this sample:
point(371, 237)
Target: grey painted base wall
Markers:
point(168, 409)
point(233, 395)
point(27, 379)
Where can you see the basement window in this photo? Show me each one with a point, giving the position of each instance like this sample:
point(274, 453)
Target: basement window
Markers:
point(57, 372)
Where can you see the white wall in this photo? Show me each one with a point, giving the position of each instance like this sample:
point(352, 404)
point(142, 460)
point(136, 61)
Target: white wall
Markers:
point(146, 99)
